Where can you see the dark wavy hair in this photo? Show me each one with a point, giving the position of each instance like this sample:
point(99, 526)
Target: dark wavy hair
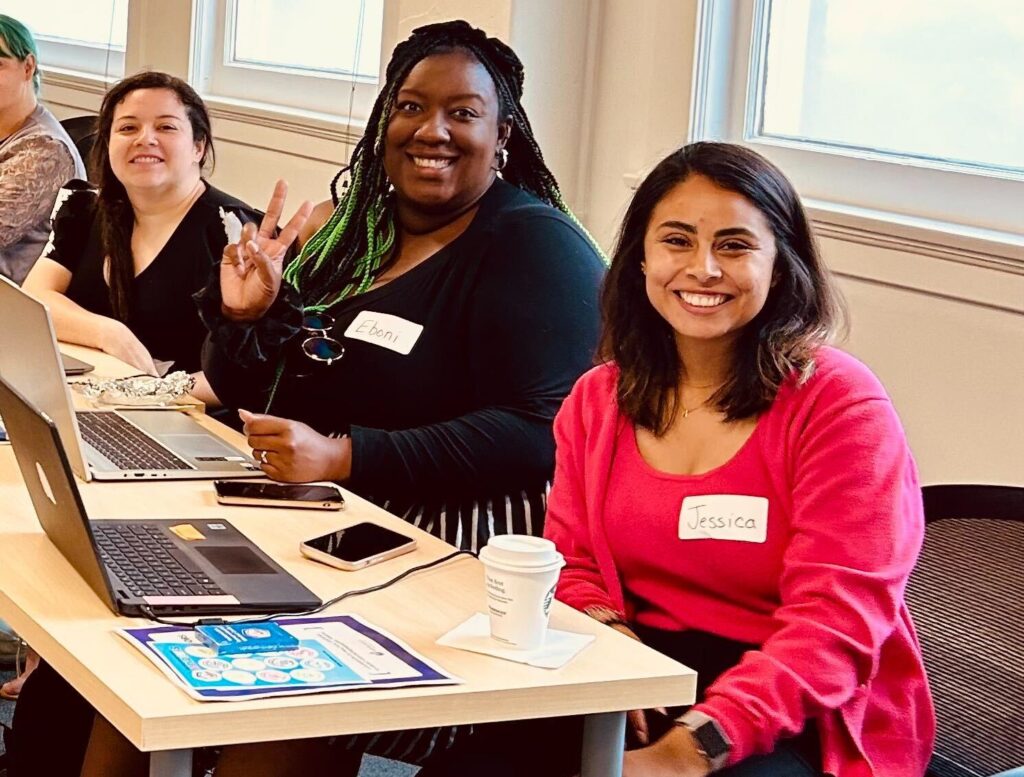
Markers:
point(354, 245)
point(803, 309)
point(115, 214)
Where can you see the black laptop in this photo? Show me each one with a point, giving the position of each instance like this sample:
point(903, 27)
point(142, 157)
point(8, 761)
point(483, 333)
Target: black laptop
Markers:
point(140, 567)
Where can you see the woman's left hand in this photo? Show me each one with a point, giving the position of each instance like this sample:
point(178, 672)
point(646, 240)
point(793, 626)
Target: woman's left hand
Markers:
point(674, 755)
point(293, 452)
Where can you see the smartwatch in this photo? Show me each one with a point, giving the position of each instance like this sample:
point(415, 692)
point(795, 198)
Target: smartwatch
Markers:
point(712, 742)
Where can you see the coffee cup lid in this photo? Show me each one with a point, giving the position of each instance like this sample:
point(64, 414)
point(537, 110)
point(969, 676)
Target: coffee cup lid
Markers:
point(520, 550)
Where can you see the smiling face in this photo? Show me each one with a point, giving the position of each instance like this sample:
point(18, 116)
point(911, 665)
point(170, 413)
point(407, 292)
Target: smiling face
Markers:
point(443, 135)
point(151, 145)
point(709, 257)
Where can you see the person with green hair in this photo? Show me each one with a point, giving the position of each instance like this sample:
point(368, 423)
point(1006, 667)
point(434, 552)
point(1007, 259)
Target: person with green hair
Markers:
point(36, 154)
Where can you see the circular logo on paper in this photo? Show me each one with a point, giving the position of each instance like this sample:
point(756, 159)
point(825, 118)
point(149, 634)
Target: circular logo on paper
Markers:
point(254, 632)
point(321, 664)
point(241, 678)
point(248, 664)
point(205, 676)
point(273, 676)
point(200, 651)
point(281, 662)
point(308, 675)
point(303, 652)
point(215, 664)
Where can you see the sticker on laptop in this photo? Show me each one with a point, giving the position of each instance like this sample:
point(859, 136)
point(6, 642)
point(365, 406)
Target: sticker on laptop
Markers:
point(188, 532)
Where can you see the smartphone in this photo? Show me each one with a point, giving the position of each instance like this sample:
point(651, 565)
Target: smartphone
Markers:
point(240, 492)
point(357, 546)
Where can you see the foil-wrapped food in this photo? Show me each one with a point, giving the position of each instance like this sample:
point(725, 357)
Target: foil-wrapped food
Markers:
point(172, 389)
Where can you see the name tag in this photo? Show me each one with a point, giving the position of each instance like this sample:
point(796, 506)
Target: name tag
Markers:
point(385, 330)
point(724, 517)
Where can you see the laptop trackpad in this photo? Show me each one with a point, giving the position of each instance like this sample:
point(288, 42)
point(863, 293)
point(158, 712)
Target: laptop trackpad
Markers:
point(235, 560)
point(199, 446)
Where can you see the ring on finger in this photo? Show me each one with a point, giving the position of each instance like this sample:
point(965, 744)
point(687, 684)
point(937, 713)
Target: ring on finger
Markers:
point(263, 457)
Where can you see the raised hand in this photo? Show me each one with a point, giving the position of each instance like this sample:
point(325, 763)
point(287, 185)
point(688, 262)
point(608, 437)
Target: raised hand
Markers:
point(292, 452)
point(250, 272)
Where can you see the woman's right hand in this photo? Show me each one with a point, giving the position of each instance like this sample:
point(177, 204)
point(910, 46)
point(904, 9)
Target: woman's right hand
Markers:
point(250, 272)
point(119, 341)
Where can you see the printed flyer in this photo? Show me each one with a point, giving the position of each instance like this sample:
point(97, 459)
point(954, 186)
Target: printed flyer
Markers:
point(337, 652)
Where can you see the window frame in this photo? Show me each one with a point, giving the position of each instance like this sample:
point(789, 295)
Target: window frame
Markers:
point(342, 97)
point(926, 200)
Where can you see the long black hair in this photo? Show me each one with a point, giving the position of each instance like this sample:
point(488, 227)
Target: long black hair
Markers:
point(803, 309)
point(349, 251)
point(115, 213)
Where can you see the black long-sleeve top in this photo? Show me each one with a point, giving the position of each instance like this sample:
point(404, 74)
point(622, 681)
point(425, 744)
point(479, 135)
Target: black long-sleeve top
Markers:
point(510, 320)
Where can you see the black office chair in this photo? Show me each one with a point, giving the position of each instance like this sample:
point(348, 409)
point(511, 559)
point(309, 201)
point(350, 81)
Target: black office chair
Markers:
point(82, 131)
point(967, 599)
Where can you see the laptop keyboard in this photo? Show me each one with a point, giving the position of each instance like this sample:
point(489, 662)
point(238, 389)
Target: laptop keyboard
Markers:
point(123, 443)
point(140, 555)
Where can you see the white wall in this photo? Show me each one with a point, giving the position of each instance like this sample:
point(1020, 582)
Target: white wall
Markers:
point(608, 90)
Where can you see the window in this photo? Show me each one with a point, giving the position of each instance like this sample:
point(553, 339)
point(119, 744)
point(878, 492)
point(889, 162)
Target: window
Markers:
point(315, 55)
point(86, 36)
point(913, 108)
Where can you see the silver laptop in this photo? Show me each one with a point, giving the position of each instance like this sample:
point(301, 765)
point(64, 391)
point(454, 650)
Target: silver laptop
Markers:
point(140, 567)
point(105, 444)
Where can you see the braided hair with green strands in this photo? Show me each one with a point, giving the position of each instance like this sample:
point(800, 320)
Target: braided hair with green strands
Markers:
point(351, 249)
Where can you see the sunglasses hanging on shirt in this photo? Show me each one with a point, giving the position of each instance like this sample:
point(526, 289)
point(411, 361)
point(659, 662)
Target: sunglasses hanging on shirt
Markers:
point(319, 346)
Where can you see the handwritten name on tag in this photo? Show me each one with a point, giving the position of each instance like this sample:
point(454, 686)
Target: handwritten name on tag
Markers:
point(724, 517)
point(384, 330)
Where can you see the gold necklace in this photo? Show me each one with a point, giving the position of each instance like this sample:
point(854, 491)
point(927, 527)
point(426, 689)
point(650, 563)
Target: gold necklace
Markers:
point(687, 411)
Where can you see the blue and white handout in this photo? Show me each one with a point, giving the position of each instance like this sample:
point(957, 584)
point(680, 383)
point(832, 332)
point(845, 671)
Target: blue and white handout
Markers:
point(336, 652)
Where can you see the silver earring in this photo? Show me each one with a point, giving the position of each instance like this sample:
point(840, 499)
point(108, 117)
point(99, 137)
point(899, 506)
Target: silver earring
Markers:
point(502, 159)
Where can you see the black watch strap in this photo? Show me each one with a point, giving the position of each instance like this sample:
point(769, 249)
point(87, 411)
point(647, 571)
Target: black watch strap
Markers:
point(712, 742)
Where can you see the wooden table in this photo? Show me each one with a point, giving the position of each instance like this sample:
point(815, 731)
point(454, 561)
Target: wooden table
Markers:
point(53, 609)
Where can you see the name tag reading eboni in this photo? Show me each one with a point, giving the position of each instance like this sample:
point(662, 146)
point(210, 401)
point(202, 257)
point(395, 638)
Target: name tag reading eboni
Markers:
point(724, 517)
point(385, 330)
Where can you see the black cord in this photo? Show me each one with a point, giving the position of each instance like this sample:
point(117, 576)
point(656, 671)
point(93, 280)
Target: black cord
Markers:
point(150, 615)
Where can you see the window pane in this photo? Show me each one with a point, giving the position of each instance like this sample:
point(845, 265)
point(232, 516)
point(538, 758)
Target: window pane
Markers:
point(337, 36)
point(98, 22)
point(938, 79)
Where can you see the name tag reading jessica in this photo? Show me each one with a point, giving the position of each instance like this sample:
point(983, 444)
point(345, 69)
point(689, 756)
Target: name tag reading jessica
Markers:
point(385, 330)
point(724, 517)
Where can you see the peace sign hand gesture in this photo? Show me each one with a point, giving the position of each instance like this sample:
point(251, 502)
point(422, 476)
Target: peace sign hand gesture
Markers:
point(250, 272)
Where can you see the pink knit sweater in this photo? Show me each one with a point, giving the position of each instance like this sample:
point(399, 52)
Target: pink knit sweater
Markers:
point(819, 586)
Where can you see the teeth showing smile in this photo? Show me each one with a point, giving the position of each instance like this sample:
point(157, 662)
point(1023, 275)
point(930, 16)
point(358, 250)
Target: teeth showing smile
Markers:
point(146, 159)
point(436, 164)
point(702, 300)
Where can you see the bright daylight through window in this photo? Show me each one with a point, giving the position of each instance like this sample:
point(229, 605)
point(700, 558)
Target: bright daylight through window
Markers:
point(939, 80)
point(88, 36)
point(333, 36)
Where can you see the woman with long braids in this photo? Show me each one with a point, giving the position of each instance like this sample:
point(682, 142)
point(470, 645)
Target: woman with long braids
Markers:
point(440, 308)
point(421, 341)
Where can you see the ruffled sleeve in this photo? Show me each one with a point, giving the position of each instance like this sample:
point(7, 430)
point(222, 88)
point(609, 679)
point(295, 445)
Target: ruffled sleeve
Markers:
point(72, 217)
point(254, 343)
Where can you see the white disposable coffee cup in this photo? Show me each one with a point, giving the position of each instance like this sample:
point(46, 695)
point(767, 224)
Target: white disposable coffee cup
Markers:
point(520, 572)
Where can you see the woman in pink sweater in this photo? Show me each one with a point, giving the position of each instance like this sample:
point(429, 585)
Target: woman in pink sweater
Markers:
point(737, 494)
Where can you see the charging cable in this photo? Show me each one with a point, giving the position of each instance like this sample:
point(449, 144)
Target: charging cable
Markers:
point(148, 612)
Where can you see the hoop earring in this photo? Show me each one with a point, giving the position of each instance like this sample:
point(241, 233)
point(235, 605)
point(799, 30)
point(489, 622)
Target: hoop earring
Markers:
point(501, 157)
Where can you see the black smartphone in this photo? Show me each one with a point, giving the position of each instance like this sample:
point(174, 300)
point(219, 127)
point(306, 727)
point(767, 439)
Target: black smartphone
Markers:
point(357, 546)
point(241, 492)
